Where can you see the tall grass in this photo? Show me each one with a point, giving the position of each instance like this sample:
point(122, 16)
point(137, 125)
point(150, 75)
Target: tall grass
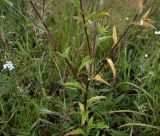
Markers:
point(58, 47)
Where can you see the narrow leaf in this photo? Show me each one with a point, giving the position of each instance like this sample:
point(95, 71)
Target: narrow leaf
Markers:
point(114, 35)
point(76, 85)
point(83, 114)
point(81, 107)
point(102, 125)
point(145, 23)
point(146, 14)
point(98, 78)
point(46, 111)
point(76, 132)
point(96, 16)
point(111, 64)
point(141, 125)
point(83, 117)
point(46, 121)
point(148, 24)
point(66, 53)
point(93, 99)
point(90, 122)
point(86, 60)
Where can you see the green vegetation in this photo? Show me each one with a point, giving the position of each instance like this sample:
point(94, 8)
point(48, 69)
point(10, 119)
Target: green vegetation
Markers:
point(79, 67)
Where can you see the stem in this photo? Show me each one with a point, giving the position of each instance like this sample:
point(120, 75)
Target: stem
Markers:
point(85, 28)
point(90, 54)
point(93, 56)
point(44, 24)
point(86, 96)
point(43, 6)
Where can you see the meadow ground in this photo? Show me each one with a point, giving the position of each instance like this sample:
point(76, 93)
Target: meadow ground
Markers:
point(79, 67)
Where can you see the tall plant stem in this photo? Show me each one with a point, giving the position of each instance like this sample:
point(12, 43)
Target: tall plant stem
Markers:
point(86, 96)
point(93, 56)
point(43, 5)
point(90, 54)
point(85, 28)
point(44, 24)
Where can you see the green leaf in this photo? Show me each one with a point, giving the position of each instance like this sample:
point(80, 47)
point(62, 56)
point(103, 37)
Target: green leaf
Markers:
point(66, 53)
point(119, 98)
point(84, 114)
point(46, 111)
point(76, 85)
point(46, 121)
point(100, 125)
point(81, 107)
point(83, 118)
point(76, 132)
point(140, 125)
point(90, 122)
point(93, 99)
point(97, 16)
point(85, 61)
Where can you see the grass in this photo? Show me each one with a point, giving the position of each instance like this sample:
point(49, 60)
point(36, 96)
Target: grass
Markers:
point(34, 98)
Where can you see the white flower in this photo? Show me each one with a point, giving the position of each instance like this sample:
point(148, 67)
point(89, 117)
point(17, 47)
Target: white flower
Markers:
point(157, 32)
point(8, 65)
point(127, 18)
point(146, 55)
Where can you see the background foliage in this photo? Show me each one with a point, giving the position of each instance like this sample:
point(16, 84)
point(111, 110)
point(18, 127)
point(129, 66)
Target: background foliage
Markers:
point(33, 97)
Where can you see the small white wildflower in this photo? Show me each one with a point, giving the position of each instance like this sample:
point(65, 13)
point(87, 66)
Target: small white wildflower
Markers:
point(127, 18)
point(146, 55)
point(157, 32)
point(8, 65)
